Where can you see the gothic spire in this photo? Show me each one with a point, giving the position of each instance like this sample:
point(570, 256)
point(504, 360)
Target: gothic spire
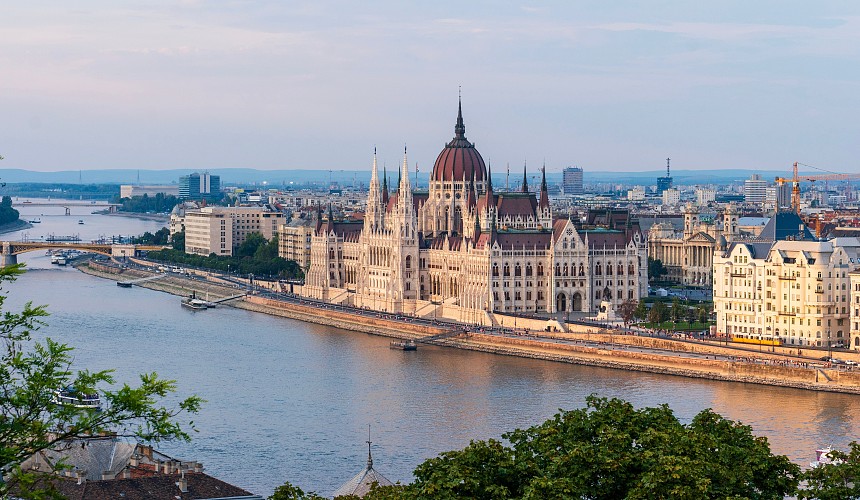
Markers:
point(369, 456)
point(460, 128)
point(544, 193)
point(525, 188)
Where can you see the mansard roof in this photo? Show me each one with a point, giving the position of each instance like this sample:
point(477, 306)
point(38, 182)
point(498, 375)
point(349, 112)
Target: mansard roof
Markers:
point(528, 239)
point(785, 226)
point(599, 238)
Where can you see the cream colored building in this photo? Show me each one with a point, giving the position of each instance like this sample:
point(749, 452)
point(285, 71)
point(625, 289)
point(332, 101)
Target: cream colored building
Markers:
point(294, 241)
point(688, 255)
point(219, 230)
point(793, 289)
point(854, 339)
point(671, 196)
point(469, 251)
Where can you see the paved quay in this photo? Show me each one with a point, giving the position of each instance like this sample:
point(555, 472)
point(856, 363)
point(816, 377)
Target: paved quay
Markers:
point(594, 346)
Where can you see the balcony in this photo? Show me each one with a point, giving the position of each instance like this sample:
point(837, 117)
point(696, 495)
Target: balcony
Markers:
point(786, 278)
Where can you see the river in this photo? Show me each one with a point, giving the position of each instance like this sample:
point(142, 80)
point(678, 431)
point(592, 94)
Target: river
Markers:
point(292, 401)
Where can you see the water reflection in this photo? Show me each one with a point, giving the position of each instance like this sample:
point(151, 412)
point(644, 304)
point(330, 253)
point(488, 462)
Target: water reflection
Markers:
point(289, 400)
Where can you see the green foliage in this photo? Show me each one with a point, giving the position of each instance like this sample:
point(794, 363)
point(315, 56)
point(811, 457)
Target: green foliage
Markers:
point(703, 315)
point(158, 203)
point(656, 270)
point(256, 255)
point(159, 238)
point(289, 492)
point(178, 241)
point(30, 374)
point(677, 311)
point(839, 480)
point(658, 313)
point(7, 213)
point(607, 451)
point(641, 311)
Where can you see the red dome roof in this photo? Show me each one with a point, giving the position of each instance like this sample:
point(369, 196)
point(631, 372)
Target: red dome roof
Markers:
point(459, 161)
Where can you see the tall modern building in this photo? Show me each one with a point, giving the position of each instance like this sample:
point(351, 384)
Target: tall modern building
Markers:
point(197, 185)
point(572, 180)
point(755, 189)
point(664, 183)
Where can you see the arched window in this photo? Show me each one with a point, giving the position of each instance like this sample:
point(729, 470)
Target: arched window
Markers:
point(581, 270)
point(507, 270)
point(630, 269)
point(609, 269)
point(408, 262)
point(540, 269)
point(564, 272)
point(528, 269)
point(598, 270)
point(518, 270)
point(495, 270)
point(558, 269)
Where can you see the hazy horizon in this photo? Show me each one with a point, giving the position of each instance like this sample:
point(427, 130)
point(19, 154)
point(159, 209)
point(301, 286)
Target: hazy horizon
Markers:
point(271, 85)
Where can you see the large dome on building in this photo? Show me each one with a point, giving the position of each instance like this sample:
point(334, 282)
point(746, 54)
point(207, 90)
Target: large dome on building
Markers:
point(459, 160)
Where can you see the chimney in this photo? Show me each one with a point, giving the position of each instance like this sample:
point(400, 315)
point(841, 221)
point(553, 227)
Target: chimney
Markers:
point(106, 475)
point(126, 473)
point(182, 483)
point(166, 467)
point(147, 451)
point(198, 467)
point(135, 460)
point(80, 475)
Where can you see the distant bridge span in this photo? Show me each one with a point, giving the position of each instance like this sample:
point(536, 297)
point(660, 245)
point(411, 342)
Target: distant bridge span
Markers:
point(64, 203)
point(11, 249)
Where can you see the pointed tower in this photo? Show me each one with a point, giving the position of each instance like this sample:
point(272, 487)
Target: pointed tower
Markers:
point(544, 209)
point(375, 209)
point(384, 188)
point(489, 215)
point(525, 188)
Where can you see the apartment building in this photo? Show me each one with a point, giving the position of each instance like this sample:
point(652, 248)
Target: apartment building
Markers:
point(794, 289)
point(219, 230)
point(294, 241)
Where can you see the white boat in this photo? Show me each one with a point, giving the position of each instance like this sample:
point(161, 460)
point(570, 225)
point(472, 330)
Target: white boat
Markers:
point(70, 397)
point(194, 304)
point(61, 260)
point(822, 457)
point(54, 258)
point(80, 221)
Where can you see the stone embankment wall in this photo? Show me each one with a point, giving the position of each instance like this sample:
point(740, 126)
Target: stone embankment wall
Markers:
point(379, 325)
point(660, 362)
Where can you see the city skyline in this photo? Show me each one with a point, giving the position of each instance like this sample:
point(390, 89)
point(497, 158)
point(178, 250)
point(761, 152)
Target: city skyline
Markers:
point(316, 86)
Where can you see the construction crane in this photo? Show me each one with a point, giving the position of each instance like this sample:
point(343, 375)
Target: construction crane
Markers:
point(797, 179)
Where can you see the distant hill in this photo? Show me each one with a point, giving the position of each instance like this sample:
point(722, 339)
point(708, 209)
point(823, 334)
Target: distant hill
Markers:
point(278, 178)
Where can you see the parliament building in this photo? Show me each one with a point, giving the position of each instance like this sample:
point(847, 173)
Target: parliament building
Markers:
point(466, 250)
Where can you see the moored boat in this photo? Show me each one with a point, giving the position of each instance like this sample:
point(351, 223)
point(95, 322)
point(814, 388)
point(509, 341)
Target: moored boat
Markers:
point(70, 397)
point(403, 345)
point(193, 303)
point(822, 457)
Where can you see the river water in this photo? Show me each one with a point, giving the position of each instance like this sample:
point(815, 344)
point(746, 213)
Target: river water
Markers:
point(292, 401)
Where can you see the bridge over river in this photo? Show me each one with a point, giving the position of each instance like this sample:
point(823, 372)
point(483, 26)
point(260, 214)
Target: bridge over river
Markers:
point(11, 249)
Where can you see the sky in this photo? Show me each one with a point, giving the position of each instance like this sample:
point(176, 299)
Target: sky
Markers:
point(607, 86)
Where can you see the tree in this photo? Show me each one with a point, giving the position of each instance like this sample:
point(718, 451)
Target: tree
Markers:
point(178, 241)
point(32, 372)
point(656, 270)
point(641, 311)
point(838, 480)
point(704, 315)
point(677, 310)
point(611, 450)
point(691, 315)
point(628, 310)
point(658, 314)
point(287, 491)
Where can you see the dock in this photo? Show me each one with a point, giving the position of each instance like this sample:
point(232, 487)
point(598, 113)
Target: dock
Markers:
point(129, 283)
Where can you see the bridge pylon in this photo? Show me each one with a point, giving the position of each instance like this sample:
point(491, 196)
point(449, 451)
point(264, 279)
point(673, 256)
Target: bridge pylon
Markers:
point(7, 258)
